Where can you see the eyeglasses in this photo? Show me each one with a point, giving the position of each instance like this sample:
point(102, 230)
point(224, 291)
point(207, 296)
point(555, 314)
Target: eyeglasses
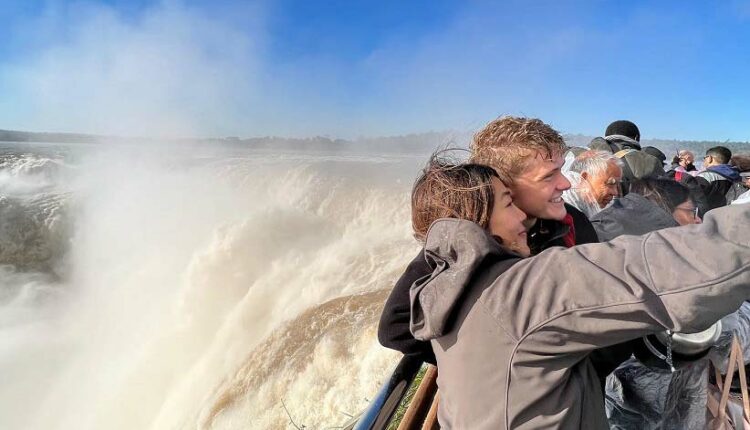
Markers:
point(694, 211)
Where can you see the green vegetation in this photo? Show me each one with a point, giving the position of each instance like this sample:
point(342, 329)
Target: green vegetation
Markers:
point(406, 401)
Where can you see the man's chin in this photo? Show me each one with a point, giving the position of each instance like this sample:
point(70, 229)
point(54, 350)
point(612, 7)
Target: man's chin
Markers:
point(556, 211)
point(550, 211)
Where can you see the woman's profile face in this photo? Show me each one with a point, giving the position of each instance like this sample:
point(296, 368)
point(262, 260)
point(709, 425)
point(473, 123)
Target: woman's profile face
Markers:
point(506, 220)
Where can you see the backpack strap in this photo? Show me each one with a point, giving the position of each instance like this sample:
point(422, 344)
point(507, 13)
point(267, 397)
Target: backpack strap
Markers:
point(624, 152)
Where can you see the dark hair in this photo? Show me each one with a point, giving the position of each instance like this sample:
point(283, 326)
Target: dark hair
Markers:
point(446, 189)
point(741, 162)
point(721, 154)
point(665, 193)
point(624, 128)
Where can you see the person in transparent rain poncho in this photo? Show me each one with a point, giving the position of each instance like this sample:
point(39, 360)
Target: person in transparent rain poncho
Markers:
point(645, 398)
point(594, 177)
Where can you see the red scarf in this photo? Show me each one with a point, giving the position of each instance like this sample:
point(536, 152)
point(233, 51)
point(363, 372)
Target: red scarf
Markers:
point(570, 238)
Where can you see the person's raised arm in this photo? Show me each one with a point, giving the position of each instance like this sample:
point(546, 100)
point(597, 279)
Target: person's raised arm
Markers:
point(590, 296)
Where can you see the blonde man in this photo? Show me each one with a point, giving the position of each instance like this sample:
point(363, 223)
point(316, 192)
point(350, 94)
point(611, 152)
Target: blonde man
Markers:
point(530, 154)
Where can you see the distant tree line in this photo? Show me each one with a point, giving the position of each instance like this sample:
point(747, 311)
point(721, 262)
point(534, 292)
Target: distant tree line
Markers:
point(409, 143)
point(26, 136)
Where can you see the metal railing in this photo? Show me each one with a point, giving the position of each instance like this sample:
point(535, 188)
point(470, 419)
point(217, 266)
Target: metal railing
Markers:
point(378, 414)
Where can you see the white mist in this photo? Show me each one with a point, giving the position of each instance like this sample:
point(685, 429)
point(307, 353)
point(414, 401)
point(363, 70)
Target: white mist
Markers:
point(189, 269)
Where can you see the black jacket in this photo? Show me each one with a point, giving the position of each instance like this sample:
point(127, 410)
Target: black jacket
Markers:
point(393, 330)
point(548, 233)
point(721, 184)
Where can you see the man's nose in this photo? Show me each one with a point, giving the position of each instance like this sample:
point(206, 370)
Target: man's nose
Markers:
point(563, 183)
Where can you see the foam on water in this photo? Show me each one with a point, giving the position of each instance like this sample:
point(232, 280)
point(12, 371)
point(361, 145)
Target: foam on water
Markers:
point(338, 361)
point(200, 291)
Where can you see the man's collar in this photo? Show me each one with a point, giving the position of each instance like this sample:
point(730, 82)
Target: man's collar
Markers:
point(545, 231)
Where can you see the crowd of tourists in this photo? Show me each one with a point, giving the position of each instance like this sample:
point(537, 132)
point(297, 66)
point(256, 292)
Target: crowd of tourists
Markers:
point(549, 273)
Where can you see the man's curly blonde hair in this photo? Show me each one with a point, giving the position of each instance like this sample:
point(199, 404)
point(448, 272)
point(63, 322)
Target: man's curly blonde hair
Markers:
point(508, 142)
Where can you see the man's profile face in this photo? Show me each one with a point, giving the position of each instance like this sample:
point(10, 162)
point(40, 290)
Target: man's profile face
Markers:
point(605, 186)
point(538, 189)
point(710, 160)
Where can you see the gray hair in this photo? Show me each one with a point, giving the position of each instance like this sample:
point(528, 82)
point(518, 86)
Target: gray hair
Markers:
point(594, 162)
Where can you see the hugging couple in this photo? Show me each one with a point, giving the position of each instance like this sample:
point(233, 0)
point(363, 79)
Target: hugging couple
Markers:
point(522, 311)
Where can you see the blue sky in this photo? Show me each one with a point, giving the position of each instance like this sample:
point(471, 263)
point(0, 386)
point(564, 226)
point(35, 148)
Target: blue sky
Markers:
point(350, 68)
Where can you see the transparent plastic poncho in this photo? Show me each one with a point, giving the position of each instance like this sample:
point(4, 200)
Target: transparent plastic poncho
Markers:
point(644, 398)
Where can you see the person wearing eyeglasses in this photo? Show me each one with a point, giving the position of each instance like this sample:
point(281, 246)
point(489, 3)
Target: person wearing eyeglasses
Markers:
point(720, 182)
point(652, 204)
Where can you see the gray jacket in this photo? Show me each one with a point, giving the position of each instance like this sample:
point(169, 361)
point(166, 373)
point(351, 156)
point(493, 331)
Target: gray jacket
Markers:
point(632, 214)
point(512, 344)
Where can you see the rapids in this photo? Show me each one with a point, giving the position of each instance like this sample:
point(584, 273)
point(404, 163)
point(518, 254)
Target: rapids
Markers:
point(195, 287)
